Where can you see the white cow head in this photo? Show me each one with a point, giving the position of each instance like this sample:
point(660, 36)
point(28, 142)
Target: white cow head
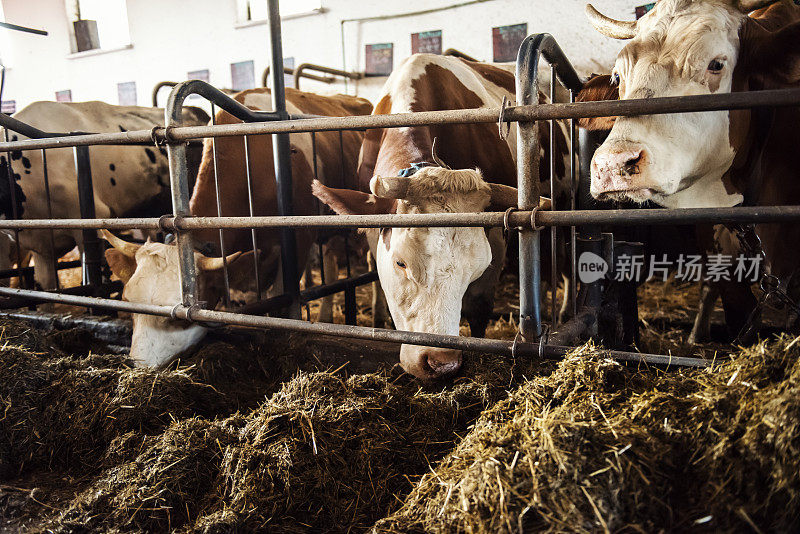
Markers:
point(681, 47)
point(426, 271)
point(150, 275)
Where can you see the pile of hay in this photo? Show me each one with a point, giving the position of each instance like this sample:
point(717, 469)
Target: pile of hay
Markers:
point(599, 446)
point(60, 412)
point(324, 452)
point(137, 449)
point(274, 433)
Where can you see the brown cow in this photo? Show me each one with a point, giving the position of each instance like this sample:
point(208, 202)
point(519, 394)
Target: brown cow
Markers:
point(150, 271)
point(707, 159)
point(428, 273)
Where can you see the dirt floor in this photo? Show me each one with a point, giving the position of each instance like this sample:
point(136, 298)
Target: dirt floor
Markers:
point(276, 432)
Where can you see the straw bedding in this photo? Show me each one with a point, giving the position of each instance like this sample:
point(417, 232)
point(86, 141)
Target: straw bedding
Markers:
point(278, 433)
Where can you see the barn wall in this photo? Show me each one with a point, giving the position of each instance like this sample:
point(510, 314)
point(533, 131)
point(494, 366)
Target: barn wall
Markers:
point(170, 38)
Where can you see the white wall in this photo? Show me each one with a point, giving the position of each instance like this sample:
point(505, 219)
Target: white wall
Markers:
point(171, 37)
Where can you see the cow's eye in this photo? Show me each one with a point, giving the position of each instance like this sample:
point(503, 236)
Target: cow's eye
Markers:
point(716, 65)
point(401, 264)
point(615, 78)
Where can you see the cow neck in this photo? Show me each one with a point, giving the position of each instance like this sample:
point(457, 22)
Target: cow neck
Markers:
point(750, 174)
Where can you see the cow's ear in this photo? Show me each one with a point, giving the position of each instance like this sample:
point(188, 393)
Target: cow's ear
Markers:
point(121, 265)
point(773, 57)
point(597, 88)
point(349, 202)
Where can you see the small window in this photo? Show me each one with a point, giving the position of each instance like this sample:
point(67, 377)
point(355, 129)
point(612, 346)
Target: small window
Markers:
point(98, 24)
point(254, 10)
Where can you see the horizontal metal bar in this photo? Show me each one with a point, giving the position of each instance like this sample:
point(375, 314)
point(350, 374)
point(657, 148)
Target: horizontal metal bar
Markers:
point(291, 71)
point(13, 273)
point(22, 28)
point(299, 72)
point(314, 293)
point(338, 286)
point(495, 346)
point(605, 108)
point(517, 219)
point(81, 291)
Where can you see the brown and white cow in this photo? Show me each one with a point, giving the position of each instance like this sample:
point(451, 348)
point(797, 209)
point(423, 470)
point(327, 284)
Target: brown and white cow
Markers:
point(150, 271)
point(707, 159)
point(429, 274)
point(129, 181)
point(737, 297)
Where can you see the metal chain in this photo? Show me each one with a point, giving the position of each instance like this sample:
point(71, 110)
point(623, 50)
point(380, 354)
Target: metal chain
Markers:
point(769, 284)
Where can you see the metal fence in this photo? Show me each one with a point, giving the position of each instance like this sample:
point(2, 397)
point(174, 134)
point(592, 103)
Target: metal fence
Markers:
point(528, 113)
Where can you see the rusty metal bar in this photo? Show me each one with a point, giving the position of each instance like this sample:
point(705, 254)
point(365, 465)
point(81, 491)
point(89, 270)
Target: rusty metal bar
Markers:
point(10, 273)
point(92, 253)
point(48, 198)
point(553, 229)
point(12, 186)
point(297, 124)
point(573, 296)
point(759, 214)
point(179, 189)
point(158, 87)
point(290, 70)
point(283, 164)
point(496, 346)
point(222, 248)
point(528, 186)
point(251, 210)
point(302, 67)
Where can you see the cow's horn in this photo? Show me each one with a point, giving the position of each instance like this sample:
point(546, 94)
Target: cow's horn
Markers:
point(618, 29)
point(126, 247)
point(392, 187)
point(503, 196)
point(435, 156)
point(214, 264)
point(746, 6)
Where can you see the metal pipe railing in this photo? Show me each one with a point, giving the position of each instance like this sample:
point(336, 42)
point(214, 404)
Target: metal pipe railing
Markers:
point(290, 70)
point(157, 87)
point(299, 72)
point(299, 124)
point(283, 164)
point(494, 346)
point(516, 219)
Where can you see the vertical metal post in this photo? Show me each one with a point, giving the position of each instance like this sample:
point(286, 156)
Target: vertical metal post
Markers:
point(528, 191)
point(573, 256)
point(222, 248)
point(49, 199)
point(591, 239)
point(12, 183)
point(553, 229)
point(91, 259)
point(179, 187)
point(251, 209)
point(350, 305)
point(320, 211)
point(283, 164)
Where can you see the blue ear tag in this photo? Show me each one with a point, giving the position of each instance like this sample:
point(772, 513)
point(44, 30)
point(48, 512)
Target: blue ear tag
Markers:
point(411, 171)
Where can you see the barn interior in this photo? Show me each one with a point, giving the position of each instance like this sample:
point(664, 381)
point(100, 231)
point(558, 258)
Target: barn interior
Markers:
point(591, 393)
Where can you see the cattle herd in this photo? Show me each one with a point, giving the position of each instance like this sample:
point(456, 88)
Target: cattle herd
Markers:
point(432, 277)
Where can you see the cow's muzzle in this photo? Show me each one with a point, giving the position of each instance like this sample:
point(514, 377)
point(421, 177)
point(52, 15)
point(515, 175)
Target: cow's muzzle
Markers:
point(617, 172)
point(428, 363)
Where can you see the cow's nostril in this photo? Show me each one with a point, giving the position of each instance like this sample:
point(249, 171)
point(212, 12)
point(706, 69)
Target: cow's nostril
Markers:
point(443, 369)
point(631, 165)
